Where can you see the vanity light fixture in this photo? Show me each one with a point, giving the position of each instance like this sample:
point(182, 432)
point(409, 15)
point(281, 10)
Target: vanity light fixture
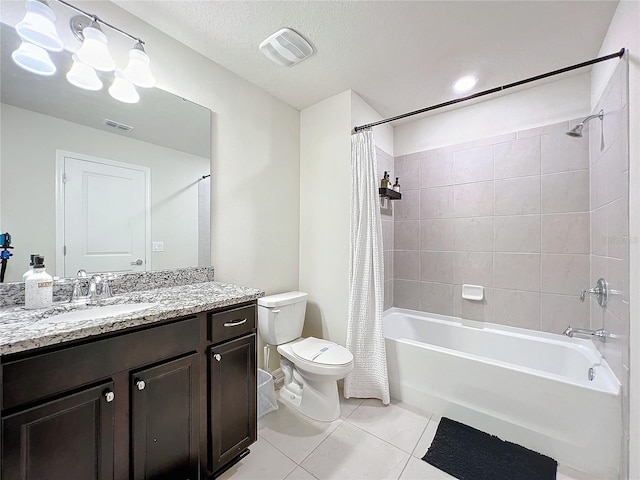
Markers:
point(33, 59)
point(138, 71)
point(38, 32)
point(38, 26)
point(83, 76)
point(464, 84)
point(94, 51)
point(123, 90)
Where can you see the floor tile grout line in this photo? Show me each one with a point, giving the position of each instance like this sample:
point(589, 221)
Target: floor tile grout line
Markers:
point(385, 441)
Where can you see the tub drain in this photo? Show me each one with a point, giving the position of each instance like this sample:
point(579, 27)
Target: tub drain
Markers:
point(591, 374)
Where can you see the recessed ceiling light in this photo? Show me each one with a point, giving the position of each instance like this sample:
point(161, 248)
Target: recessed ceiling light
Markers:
point(464, 84)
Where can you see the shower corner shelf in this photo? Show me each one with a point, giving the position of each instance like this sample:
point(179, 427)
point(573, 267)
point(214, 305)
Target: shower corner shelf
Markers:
point(389, 193)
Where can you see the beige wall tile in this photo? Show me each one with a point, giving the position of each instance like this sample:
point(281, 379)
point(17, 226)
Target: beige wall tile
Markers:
point(406, 235)
point(408, 208)
point(406, 265)
point(519, 233)
point(436, 267)
point(564, 274)
point(437, 234)
point(436, 171)
point(436, 298)
point(475, 268)
point(406, 294)
point(565, 233)
point(517, 308)
point(565, 192)
point(519, 158)
point(518, 196)
point(436, 202)
point(473, 199)
point(517, 271)
point(473, 234)
point(473, 165)
point(560, 153)
point(408, 169)
point(481, 311)
point(561, 311)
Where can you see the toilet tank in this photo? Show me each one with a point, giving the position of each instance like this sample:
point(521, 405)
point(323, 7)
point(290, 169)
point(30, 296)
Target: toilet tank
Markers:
point(281, 317)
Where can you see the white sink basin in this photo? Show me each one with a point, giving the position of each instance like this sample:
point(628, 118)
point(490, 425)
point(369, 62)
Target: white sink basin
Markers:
point(93, 313)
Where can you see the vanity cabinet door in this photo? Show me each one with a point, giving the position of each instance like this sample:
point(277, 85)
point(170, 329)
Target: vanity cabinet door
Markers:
point(71, 437)
point(164, 420)
point(232, 415)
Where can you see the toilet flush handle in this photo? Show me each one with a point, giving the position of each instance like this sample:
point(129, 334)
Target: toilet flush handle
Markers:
point(276, 310)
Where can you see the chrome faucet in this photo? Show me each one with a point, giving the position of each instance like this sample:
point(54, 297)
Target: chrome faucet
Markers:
point(600, 334)
point(89, 292)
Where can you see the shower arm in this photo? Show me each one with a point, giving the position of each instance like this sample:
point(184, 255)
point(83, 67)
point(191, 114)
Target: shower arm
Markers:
point(599, 115)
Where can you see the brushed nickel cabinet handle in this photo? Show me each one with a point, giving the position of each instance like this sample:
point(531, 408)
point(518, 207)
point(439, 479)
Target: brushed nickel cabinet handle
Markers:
point(140, 384)
point(235, 324)
point(217, 357)
point(109, 396)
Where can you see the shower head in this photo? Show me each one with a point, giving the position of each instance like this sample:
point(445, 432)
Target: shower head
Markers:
point(577, 130)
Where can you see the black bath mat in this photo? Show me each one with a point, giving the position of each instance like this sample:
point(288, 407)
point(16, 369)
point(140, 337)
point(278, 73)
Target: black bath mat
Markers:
point(469, 454)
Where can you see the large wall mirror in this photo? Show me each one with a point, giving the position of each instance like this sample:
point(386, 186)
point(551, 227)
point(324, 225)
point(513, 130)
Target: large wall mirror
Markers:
point(91, 182)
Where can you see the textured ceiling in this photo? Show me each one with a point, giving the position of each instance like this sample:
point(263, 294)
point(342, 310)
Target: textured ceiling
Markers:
point(399, 56)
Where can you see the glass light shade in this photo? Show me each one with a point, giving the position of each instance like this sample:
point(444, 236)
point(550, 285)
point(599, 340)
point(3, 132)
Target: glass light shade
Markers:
point(138, 71)
point(123, 90)
point(83, 76)
point(94, 51)
point(33, 59)
point(38, 26)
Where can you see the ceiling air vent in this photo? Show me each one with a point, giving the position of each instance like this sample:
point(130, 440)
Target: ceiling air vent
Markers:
point(118, 125)
point(286, 47)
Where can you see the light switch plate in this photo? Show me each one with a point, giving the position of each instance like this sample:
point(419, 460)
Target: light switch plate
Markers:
point(158, 246)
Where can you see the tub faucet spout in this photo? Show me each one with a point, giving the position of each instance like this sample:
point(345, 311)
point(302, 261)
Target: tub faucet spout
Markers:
point(600, 334)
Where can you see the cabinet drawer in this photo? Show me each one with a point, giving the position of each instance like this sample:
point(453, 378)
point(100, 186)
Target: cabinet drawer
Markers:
point(33, 378)
point(231, 323)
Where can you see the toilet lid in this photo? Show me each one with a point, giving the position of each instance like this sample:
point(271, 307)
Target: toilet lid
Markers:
point(322, 351)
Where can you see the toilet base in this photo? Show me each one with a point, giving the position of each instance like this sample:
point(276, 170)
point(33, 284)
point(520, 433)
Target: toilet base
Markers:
point(318, 401)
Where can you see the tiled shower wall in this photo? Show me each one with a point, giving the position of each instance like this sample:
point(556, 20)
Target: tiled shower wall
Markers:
point(510, 213)
point(609, 158)
point(385, 164)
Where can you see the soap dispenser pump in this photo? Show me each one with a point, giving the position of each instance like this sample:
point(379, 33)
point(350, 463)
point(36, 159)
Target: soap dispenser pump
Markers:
point(30, 271)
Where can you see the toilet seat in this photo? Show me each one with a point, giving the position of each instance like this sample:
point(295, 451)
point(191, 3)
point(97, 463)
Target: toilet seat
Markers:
point(343, 356)
point(321, 351)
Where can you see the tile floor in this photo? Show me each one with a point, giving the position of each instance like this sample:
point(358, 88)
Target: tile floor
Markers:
point(368, 441)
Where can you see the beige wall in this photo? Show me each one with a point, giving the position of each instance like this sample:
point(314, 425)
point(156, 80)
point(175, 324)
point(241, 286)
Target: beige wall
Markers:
point(623, 32)
point(27, 203)
point(325, 202)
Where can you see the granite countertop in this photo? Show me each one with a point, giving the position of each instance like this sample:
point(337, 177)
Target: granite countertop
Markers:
point(22, 329)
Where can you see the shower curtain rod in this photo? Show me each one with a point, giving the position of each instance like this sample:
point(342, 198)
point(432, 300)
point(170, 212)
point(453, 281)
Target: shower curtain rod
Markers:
point(492, 90)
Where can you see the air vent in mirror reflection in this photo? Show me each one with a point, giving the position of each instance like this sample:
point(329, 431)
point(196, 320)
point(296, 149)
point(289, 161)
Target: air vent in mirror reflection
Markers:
point(118, 125)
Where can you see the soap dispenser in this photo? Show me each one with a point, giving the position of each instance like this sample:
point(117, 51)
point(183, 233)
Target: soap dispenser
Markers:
point(38, 287)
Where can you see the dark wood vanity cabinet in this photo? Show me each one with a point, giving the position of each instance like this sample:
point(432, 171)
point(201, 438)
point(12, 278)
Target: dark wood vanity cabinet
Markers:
point(147, 403)
point(69, 437)
point(164, 419)
point(233, 420)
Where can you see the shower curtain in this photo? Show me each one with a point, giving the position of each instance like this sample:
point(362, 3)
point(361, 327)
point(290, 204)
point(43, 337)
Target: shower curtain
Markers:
point(365, 338)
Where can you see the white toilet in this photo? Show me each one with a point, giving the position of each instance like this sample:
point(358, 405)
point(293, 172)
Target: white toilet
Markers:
point(311, 366)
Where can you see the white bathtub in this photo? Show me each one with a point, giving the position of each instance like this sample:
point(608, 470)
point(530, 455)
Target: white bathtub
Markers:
point(528, 387)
